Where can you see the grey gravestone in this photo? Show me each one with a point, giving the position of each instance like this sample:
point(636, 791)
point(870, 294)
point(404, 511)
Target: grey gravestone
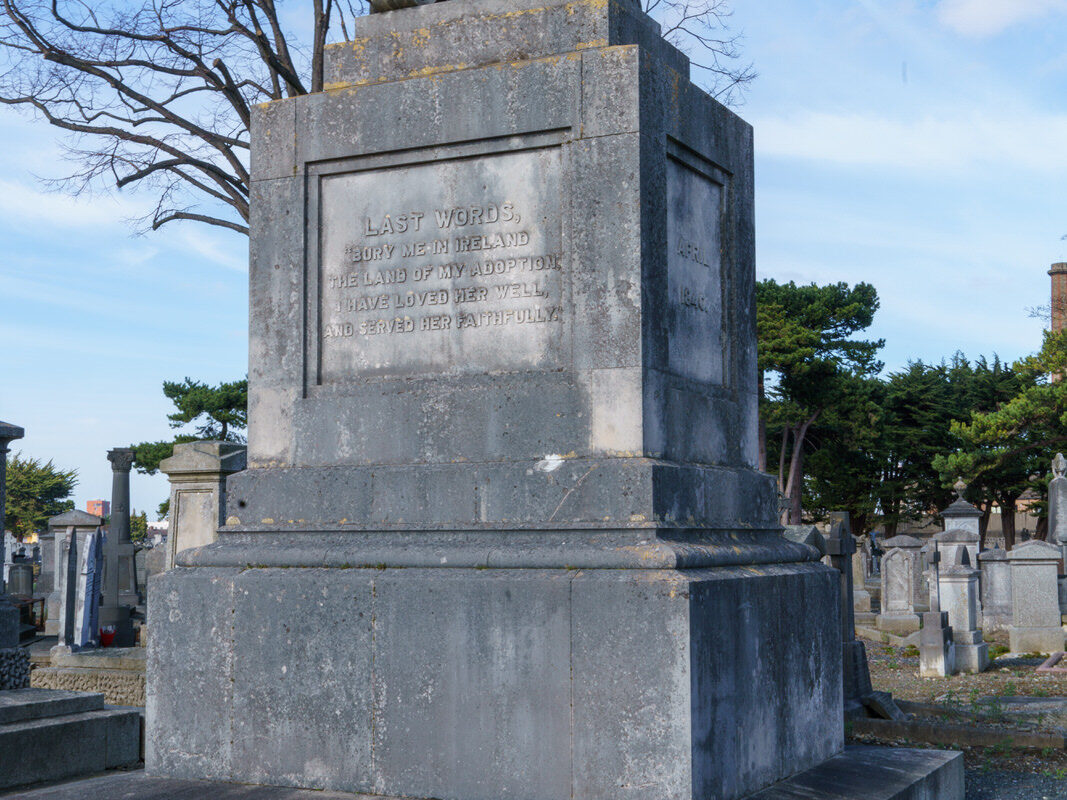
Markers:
point(958, 585)
point(46, 579)
point(996, 590)
point(1057, 505)
point(82, 524)
point(9, 614)
point(501, 531)
point(197, 472)
point(900, 585)
point(937, 650)
point(1035, 625)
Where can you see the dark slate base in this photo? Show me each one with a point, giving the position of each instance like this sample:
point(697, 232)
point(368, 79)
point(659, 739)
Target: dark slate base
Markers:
point(877, 773)
point(861, 773)
point(49, 736)
point(487, 683)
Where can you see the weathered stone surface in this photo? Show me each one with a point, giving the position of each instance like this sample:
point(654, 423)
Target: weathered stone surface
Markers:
point(501, 499)
point(197, 472)
point(517, 653)
point(20, 705)
point(959, 599)
point(899, 774)
point(117, 673)
point(81, 524)
point(996, 590)
point(1035, 602)
point(888, 773)
point(937, 650)
point(54, 747)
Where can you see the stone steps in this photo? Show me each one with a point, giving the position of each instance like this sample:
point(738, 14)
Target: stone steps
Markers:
point(48, 735)
point(20, 705)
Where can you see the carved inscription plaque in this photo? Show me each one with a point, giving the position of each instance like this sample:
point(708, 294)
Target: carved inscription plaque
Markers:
point(694, 274)
point(449, 267)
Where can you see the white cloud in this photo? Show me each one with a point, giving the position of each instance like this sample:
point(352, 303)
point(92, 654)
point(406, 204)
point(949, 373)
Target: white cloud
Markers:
point(952, 141)
point(983, 18)
point(230, 253)
point(22, 203)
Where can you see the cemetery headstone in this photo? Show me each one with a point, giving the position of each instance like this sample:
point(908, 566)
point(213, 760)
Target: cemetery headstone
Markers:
point(958, 598)
point(996, 590)
point(502, 439)
point(14, 661)
point(901, 576)
point(197, 472)
point(951, 542)
point(68, 612)
point(861, 598)
point(937, 650)
point(120, 570)
point(82, 524)
point(1035, 624)
point(1057, 505)
point(87, 607)
point(46, 578)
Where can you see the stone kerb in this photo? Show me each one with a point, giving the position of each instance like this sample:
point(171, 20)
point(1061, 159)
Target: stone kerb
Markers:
point(60, 527)
point(901, 589)
point(1035, 599)
point(995, 590)
point(197, 472)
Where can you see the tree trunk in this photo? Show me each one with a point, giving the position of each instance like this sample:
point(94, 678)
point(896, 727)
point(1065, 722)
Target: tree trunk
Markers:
point(1007, 521)
point(983, 523)
point(794, 486)
point(1041, 532)
point(781, 458)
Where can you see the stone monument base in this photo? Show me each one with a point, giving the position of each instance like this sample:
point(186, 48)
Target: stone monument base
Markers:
point(464, 681)
point(972, 657)
point(937, 651)
point(1035, 640)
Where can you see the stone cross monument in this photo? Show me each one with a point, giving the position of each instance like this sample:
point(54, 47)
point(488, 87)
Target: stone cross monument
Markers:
point(501, 531)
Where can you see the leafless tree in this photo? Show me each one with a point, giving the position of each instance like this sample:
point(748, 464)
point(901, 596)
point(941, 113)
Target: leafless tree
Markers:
point(156, 94)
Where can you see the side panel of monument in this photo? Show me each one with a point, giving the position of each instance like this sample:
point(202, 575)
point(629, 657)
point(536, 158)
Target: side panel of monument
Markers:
point(501, 534)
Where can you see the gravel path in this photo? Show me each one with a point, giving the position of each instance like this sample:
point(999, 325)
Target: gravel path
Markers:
point(998, 785)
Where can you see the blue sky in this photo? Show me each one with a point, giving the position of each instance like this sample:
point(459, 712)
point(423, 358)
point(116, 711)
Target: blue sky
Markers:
point(919, 146)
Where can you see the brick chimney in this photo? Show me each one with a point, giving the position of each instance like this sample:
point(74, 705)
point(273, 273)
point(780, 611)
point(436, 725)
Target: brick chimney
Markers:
point(1059, 296)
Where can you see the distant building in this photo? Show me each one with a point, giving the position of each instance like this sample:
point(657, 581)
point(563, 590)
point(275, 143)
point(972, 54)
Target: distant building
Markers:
point(1058, 306)
point(98, 508)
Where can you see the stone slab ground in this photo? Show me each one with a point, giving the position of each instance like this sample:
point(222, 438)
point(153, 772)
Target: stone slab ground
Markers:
point(898, 774)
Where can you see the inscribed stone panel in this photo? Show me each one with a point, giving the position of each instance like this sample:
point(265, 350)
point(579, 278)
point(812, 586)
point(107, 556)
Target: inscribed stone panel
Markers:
point(444, 267)
point(694, 274)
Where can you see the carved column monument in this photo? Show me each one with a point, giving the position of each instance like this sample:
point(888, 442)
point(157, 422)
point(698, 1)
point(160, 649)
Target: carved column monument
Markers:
point(120, 574)
point(500, 533)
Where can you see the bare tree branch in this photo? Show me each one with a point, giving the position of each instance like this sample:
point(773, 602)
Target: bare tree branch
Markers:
point(157, 94)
